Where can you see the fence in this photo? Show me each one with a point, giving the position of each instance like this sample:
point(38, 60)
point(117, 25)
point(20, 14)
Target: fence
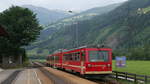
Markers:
point(131, 77)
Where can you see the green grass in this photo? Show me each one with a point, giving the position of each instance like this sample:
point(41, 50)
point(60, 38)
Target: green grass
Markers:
point(39, 60)
point(147, 9)
point(137, 67)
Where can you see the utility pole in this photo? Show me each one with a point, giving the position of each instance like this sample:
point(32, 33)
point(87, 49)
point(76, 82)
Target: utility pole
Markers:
point(76, 31)
point(76, 35)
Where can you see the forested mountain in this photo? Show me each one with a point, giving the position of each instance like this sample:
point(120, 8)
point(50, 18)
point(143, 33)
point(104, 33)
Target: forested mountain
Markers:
point(47, 16)
point(73, 19)
point(101, 10)
point(125, 28)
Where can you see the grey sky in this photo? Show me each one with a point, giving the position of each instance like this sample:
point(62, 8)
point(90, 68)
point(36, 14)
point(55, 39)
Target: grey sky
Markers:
point(75, 5)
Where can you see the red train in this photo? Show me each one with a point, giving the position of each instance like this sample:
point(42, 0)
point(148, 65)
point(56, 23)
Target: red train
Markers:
point(86, 61)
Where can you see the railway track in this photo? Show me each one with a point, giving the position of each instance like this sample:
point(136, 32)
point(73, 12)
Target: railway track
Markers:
point(105, 81)
point(62, 80)
point(54, 78)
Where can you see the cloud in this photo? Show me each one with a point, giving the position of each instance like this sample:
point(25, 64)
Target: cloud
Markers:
point(59, 4)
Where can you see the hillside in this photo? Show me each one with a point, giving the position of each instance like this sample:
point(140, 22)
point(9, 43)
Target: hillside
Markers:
point(75, 17)
point(126, 27)
point(101, 10)
point(47, 16)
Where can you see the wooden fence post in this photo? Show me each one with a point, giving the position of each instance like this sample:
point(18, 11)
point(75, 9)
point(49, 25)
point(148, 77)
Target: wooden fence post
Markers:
point(126, 75)
point(135, 78)
point(116, 75)
point(145, 80)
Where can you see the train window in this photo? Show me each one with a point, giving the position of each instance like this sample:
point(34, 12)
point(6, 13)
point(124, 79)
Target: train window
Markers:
point(65, 57)
point(78, 56)
point(52, 58)
point(73, 56)
point(56, 58)
point(70, 56)
point(47, 58)
point(95, 56)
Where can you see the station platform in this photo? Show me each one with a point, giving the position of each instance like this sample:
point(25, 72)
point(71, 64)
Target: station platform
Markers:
point(31, 76)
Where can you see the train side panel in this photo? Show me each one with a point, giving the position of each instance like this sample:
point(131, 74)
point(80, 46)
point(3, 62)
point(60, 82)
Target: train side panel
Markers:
point(72, 61)
point(84, 61)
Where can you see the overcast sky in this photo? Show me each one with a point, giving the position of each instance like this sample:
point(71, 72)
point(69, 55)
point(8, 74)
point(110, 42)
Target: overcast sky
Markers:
point(75, 5)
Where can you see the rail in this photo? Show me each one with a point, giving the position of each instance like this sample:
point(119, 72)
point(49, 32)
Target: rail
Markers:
point(131, 77)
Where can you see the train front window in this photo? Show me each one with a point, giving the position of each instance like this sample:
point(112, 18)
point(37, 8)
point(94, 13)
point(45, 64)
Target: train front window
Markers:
point(98, 56)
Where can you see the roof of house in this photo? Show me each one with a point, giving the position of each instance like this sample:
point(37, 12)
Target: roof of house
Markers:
point(2, 31)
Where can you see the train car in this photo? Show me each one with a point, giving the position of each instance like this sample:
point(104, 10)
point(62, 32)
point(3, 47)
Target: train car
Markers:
point(55, 60)
point(86, 61)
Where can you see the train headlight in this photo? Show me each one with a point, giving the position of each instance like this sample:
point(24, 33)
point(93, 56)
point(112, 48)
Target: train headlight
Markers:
point(109, 65)
point(89, 65)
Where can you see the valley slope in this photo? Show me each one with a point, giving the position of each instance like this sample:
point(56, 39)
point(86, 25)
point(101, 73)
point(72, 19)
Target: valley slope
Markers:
point(125, 27)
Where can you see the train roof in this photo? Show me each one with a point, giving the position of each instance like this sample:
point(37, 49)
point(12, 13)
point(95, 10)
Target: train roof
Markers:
point(82, 47)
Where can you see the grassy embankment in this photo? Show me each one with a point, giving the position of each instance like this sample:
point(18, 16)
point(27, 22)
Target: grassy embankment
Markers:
point(137, 67)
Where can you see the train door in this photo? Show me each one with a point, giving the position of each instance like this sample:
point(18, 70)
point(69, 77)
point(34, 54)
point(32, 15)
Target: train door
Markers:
point(82, 56)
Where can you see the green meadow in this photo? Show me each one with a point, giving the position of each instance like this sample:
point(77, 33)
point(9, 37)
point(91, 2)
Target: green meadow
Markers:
point(137, 67)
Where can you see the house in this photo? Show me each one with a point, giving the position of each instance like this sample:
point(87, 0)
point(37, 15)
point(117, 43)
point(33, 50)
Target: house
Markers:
point(7, 61)
point(2, 33)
